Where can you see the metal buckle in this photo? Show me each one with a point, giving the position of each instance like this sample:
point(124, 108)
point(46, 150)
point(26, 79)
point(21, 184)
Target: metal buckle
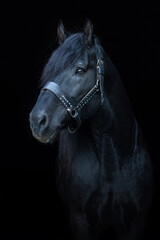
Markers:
point(100, 67)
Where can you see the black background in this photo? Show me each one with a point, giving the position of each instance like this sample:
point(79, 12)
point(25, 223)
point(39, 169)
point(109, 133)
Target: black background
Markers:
point(129, 32)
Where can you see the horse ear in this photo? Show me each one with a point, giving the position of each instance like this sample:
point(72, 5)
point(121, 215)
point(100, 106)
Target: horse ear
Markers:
point(61, 33)
point(88, 32)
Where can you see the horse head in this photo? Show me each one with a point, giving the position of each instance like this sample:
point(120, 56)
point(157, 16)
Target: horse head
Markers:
point(72, 80)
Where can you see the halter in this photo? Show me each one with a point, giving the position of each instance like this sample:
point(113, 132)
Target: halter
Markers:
point(72, 108)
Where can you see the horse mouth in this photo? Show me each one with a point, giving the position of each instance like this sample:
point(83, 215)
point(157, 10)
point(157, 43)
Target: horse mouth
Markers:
point(45, 139)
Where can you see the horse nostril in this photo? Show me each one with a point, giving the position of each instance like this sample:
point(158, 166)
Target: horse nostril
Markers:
point(42, 121)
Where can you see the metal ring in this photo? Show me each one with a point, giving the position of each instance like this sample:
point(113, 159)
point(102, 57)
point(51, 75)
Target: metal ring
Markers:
point(72, 131)
point(73, 113)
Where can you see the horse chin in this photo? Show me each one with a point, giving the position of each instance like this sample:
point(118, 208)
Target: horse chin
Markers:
point(46, 139)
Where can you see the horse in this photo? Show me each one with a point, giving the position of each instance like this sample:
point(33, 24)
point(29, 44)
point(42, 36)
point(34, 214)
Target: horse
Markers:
point(104, 172)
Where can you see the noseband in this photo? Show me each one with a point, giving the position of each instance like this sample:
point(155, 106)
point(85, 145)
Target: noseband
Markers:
point(72, 108)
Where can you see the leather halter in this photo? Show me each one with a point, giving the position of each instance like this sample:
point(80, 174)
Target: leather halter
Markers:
point(72, 108)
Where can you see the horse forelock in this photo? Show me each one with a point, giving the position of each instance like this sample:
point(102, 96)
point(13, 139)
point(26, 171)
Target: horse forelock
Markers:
point(64, 55)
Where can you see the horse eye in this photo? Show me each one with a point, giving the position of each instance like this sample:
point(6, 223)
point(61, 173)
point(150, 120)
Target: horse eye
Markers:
point(80, 71)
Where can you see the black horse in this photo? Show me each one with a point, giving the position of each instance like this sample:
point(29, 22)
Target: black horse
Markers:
point(104, 173)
